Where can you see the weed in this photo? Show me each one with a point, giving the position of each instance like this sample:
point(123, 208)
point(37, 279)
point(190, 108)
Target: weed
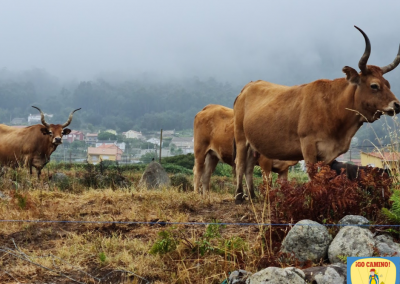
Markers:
point(165, 243)
point(102, 257)
point(22, 200)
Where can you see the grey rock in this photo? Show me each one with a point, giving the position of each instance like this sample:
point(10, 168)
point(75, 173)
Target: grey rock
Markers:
point(238, 277)
point(335, 273)
point(3, 196)
point(386, 246)
point(354, 220)
point(307, 242)
point(289, 275)
point(154, 177)
point(351, 241)
point(59, 177)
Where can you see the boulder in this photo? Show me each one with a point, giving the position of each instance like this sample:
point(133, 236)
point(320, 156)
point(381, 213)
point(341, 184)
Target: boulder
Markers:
point(355, 220)
point(272, 275)
point(59, 177)
point(335, 273)
point(154, 177)
point(307, 242)
point(238, 277)
point(386, 246)
point(351, 241)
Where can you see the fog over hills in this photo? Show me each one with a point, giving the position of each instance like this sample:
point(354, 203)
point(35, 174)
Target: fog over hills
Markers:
point(121, 60)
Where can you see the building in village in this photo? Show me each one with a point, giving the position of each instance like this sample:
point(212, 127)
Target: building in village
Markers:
point(74, 135)
point(104, 153)
point(132, 134)
point(91, 139)
point(184, 143)
point(121, 145)
point(384, 160)
point(36, 118)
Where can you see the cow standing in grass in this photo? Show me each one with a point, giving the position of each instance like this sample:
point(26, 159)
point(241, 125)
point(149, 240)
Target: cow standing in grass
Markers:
point(314, 121)
point(31, 146)
point(213, 142)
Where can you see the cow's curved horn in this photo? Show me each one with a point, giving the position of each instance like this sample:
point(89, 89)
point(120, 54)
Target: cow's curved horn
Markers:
point(42, 117)
point(392, 65)
point(70, 118)
point(362, 64)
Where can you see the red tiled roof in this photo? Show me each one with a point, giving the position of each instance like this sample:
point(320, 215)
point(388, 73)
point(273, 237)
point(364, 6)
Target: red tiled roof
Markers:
point(387, 156)
point(101, 151)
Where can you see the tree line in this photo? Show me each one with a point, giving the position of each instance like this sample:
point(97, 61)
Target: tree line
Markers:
point(143, 104)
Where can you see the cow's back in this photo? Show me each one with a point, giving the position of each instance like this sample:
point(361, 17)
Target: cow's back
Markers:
point(18, 145)
point(213, 130)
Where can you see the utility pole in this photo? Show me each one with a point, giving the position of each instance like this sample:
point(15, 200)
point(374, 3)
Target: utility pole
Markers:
point(160, 146)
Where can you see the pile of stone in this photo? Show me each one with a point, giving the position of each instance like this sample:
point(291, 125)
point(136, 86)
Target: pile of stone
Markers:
point(309, 240)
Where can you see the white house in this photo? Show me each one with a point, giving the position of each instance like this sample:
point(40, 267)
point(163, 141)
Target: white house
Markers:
point(36, 118)
point(132, 134)
point(154, 141)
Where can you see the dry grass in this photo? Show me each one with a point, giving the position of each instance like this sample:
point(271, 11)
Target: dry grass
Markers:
point(98, 249)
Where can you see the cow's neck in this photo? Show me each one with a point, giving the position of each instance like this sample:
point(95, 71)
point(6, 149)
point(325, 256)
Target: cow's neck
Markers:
point(348, 117)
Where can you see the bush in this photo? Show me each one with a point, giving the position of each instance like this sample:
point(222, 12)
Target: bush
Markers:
point(176, 169)
point(185, 161)
point(328, 197)
point(223, 170)
point(182, 181)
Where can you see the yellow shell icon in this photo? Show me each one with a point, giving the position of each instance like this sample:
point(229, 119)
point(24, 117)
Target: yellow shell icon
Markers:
point(373, 270)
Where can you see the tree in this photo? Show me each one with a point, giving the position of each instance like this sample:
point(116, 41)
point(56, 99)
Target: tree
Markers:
point(106, 136)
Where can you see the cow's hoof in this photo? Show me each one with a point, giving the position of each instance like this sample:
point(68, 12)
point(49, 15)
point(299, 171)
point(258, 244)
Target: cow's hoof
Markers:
point(239, 201)
point(240, 198)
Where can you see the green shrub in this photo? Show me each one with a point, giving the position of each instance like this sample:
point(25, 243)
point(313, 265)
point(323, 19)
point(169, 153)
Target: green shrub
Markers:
point(223, 170)
point(185, 161)
point(175, 169)
point(182, 181)
point(394, 213)
point(165, 243)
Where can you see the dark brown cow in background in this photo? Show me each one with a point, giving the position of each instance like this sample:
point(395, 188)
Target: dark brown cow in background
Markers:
point(352, 171)
point(31, 146)
point(213, 142)
point(314, 121)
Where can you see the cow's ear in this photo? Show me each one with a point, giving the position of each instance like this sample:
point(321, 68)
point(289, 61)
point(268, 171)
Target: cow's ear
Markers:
point(66, 131)
point(45, 131)
point(351, 75)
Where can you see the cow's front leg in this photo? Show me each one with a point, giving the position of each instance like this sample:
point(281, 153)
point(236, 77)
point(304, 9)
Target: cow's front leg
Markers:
point(309, 151)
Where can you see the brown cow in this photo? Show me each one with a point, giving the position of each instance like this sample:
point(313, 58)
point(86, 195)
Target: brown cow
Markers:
point(31, 146)
point(213, 138)
point(314, 121)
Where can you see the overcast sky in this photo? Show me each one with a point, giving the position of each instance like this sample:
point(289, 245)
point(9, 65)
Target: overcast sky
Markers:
point(288, 42)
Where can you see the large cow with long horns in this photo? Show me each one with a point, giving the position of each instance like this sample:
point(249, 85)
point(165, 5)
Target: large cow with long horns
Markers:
point(314, 121)
point(31, 146)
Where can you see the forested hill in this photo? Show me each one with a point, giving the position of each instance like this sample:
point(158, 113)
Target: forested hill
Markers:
point(142, 104)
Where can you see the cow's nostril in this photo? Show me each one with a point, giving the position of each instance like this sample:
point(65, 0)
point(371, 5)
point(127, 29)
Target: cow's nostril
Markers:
point(396, 107)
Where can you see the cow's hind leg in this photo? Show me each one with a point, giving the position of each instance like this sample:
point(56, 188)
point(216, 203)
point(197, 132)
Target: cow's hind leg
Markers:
point(241, 153)
point(250, 163)
point(210, 165)
point(198, 171)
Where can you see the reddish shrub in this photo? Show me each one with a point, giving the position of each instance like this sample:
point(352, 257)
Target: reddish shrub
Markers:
point(329, 197)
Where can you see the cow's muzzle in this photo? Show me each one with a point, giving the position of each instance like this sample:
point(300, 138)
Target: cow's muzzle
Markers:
point(396, 107)
point(57, 140)
point(393, 108)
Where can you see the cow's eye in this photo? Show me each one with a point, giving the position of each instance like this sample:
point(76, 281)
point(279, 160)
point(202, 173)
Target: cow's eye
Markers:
point(50, 133)
point(375, 87)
